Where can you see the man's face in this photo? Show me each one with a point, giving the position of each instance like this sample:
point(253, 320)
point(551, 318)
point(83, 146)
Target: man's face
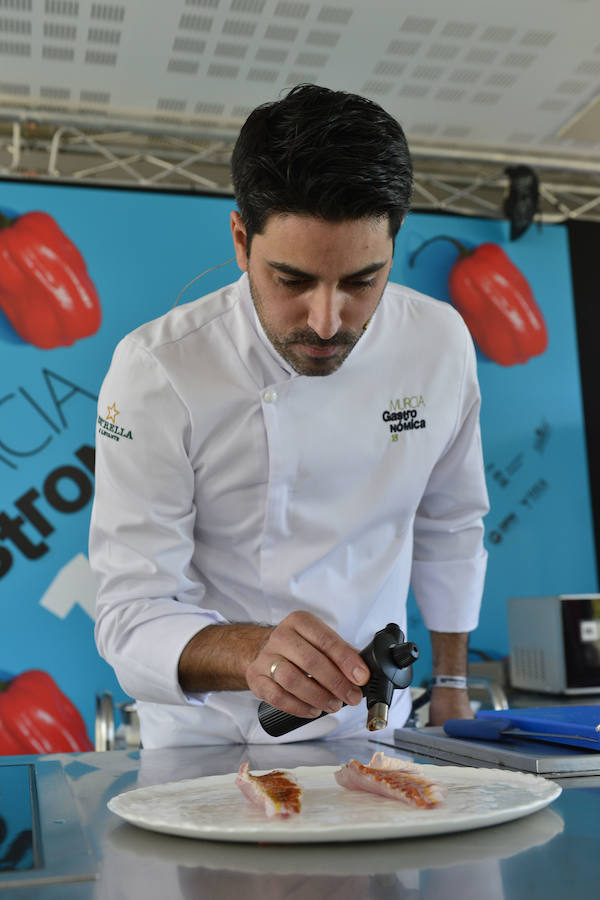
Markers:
point(315, 284)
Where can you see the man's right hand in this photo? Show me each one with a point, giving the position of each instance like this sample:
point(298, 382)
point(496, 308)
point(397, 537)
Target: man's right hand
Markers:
point(305, 668)
point(313, 669)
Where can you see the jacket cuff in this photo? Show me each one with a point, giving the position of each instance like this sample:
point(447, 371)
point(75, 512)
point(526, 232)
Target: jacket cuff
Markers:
point(149, 670)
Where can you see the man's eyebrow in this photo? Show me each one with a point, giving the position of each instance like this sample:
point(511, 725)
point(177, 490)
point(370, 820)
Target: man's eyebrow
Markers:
point(285, 269)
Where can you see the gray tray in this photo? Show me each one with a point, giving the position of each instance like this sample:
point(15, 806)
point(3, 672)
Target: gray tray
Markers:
point(526, 755)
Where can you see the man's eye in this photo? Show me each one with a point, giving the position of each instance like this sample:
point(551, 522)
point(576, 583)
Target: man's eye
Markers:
point(293, 282)
point(302, 283)
point(362, 283)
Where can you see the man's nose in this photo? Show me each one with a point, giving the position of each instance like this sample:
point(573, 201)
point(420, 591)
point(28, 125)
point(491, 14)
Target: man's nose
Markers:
point(325, 311)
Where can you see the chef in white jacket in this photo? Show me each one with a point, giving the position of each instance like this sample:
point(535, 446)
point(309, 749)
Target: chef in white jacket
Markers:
point(278, 461)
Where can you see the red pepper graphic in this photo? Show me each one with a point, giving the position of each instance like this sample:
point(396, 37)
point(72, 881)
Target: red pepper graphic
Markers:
point(45, 290)
point(497, 303)
point(36, 717)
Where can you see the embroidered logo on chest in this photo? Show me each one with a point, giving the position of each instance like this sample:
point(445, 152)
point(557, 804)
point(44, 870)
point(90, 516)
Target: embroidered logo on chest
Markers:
point(405, 414)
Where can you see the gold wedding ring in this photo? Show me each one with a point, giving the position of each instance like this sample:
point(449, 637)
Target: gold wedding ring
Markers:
point(273, 667)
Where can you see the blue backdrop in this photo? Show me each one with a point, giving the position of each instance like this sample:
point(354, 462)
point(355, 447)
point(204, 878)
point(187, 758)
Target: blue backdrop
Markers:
point(141, 249)
point(539, 532)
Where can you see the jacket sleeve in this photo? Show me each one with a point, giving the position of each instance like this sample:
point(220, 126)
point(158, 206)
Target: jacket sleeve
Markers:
point(149, 600)
point(449, 559)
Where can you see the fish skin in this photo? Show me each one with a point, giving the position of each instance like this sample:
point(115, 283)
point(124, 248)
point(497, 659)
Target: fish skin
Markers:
point(394, 778)
point(380, 761)
point(277, 793)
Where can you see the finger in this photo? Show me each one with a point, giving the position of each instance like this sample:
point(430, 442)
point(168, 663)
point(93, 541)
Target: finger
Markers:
point(299, 644)
point(297, 683)
point(333, 686)
point(266, 689)
point(345, 657)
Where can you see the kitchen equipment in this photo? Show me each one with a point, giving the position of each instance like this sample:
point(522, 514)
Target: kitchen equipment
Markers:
point(107, 736)
point(555, 643)
point(521, 754)
point(577, 726)
point(389, 658)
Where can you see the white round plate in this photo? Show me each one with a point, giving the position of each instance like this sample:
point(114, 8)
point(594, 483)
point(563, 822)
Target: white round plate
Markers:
point(213, 808)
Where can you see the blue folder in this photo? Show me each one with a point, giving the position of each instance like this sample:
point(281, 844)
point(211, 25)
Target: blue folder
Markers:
point(577, 726)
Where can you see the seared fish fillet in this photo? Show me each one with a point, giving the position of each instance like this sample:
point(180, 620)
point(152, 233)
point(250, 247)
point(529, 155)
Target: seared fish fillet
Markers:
point(395, 778)
point(277, 793)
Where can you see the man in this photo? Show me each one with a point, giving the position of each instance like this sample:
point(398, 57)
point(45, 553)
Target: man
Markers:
point(304, 443)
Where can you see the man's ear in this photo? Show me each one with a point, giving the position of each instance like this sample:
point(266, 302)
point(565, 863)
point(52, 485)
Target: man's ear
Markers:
point(240, 243)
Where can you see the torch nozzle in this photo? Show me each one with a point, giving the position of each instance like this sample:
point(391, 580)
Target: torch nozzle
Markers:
point(377, 717)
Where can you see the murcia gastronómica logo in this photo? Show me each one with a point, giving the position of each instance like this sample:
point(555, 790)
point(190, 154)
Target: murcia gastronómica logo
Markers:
point(405, 414)
point(109, 428)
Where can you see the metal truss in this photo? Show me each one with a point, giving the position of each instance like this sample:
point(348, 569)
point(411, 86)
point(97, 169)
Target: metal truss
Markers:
point(165, 156)
point(481, 190)
point(69, 153)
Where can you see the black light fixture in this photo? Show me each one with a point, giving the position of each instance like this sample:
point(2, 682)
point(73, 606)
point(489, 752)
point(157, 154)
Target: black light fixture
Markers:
point(522, 201)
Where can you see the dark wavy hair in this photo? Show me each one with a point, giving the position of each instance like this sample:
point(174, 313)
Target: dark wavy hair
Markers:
point(324, 153)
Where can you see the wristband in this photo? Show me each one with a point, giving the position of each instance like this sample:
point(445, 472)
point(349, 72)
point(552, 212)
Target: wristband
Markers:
point(450, 681)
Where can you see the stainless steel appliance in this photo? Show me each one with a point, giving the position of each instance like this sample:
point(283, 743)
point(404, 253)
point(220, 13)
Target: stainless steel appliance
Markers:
point(555, 643)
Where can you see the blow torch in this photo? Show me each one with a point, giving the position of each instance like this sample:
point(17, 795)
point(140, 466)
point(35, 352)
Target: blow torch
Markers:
point(389, 659)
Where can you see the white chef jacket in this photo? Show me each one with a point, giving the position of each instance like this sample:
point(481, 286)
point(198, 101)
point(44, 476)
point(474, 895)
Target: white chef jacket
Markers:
point(231, 489)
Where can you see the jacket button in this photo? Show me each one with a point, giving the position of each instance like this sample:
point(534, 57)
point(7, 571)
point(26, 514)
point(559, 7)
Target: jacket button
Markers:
point(270, 396)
